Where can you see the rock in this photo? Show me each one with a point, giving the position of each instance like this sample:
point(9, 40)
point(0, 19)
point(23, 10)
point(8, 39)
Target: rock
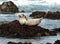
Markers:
point(11, 43)
point(53, 15)
point(50, 15)
point(47, 32)
point(57, 30)
point(19, 43)
point(27, 43)
point(15, 30)
point(8, 7)
point(48, 43)
point(23, 11)
point(37, 14)
point(57, 42)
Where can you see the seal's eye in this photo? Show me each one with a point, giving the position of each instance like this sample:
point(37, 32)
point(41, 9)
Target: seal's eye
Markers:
point(19, 16)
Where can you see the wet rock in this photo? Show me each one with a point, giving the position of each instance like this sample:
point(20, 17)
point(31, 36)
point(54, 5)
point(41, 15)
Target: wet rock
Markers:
point(18, 43)
point(37, 14)
point(57, 30)
point(57, 42)
point(27, 43)
point(53, 15)
point(23, 11)
point(50, 15)
point(11, 43)
point(47, 32)
point(48, 43)
point(15, 30)
point(8, 7)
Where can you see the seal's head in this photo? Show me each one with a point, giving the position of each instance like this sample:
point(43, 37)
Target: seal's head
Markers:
point(21, 15)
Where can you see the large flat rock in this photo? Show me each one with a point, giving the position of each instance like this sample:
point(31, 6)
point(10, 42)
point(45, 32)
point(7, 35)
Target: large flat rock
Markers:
point(15, 30)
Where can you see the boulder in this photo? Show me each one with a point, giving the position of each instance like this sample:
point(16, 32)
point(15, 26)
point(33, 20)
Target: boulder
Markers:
point(53, 15)
point(15, 30)
point(8, 7)
point(49, 15)
point(48, 43)
point(37, 14)
point(11, 43)
point(22, 11)
point(56, 30)
point(57, 42)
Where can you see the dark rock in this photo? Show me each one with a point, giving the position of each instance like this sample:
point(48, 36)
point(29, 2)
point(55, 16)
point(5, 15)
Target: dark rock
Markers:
point(53, 15)
point(57, 42)
point(25, 43)
point(11, 43)
point(18, 43)
point(23, 11)
point(30, 43)
point(49, 15)
point(15, 30)
point(8, 7)
point(56, 30)
point(37, 14)
point(48, 43)
point(47, 32)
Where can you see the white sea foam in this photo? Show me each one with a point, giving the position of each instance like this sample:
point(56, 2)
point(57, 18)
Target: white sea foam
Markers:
point(34, 2)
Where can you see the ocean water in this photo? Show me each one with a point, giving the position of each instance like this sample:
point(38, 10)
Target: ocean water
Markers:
point(36, 5)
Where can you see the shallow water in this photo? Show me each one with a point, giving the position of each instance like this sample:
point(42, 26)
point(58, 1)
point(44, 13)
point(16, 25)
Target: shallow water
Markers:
point(40, 40)
point(46, 23)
